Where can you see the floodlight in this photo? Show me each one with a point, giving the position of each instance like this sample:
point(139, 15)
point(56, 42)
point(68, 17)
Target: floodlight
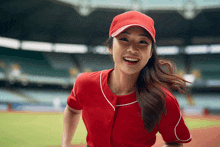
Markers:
point(100, 50)
point(196, 49)
point(36, 46)
point(70, 48)
point(167, 50)
point(9, 43)
point(215, 48)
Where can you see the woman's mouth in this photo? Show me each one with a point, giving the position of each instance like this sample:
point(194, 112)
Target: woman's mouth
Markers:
point(131, 60)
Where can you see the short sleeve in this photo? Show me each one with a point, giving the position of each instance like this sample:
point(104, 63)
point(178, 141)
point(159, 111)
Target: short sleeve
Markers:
point(72, 100)
point(172, 126)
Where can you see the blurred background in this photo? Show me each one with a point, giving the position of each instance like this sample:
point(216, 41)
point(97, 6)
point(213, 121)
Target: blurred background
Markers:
point(46, 44)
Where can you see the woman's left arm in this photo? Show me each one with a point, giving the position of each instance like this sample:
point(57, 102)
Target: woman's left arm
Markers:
point(172, 126)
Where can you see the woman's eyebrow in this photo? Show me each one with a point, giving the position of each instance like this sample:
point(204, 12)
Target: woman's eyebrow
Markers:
point(125, 32)
point(146, 35)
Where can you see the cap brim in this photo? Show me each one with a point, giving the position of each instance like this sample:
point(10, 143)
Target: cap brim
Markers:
point(120, 30)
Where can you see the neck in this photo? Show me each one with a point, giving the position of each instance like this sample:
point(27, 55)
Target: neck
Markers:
point(121, 83)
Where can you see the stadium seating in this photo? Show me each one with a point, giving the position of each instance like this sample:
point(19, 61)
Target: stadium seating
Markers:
point(208, 66)
point(10, 97)
point(2, 75)
point(94, 61)
point(60, 60)
point(46, 95)
point(207, 100)
point(34, 68)
point(178, 61)
point(32, 63)
point(55, 68)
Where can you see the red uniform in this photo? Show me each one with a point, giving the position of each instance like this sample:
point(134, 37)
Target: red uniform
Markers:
point(115, 121)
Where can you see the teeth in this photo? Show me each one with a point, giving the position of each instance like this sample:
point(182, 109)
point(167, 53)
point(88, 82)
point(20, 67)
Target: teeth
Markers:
point(131, 59)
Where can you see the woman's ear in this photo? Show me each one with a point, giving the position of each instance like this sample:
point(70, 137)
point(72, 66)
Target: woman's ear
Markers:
point(110, 50)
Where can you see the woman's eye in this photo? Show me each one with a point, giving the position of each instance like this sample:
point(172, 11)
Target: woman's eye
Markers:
point(124, 39)
point(144, 42)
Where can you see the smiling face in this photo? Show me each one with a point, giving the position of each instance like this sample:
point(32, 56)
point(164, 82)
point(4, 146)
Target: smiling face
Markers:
point(131, 50)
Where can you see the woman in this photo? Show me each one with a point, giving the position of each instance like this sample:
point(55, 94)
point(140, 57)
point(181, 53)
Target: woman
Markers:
point(126, 106)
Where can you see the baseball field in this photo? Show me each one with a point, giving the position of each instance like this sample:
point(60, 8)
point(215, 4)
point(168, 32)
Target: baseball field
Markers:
point(34, 129)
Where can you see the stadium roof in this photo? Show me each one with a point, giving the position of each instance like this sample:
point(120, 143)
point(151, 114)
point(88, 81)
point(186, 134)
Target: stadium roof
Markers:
point(177, 22)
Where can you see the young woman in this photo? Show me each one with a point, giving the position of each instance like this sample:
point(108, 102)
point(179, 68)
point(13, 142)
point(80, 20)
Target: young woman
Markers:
point(126, 106)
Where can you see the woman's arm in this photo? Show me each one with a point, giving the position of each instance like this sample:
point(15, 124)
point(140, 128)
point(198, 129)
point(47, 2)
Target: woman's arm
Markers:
point(173, 145)
point(71, 119)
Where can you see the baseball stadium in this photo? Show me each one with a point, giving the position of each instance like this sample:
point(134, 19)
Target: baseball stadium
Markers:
point(46, 44)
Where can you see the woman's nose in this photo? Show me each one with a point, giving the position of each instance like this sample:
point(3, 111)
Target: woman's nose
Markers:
point(132, 49)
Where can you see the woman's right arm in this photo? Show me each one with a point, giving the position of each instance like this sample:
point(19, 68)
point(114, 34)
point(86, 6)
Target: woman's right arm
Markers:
point(71, 119)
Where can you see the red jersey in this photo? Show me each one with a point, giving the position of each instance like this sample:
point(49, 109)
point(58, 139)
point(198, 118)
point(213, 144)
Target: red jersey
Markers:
point(115, 121)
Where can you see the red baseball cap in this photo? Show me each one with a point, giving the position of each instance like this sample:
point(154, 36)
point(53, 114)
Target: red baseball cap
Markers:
point(130, 19)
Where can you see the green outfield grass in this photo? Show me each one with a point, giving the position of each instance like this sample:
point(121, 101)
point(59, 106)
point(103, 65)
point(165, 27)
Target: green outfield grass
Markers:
point(45, 129)
point(198, 123)
point(35, 130)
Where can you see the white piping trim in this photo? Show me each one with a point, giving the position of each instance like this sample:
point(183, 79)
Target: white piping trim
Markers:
point(126, 104)
point(103, 91)
point(176, 133)
point(74, 91)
